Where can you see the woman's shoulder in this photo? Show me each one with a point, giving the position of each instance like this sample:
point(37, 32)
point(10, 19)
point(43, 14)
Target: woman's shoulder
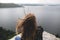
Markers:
point(17, 37)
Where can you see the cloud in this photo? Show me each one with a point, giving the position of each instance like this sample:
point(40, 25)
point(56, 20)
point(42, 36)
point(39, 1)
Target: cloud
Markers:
point(32, 1)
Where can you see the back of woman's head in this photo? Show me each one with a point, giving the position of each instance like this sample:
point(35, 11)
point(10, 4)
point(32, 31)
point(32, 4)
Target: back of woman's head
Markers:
point(29, 27)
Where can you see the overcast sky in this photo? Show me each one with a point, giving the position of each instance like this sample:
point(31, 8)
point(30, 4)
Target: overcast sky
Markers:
point(31, 1)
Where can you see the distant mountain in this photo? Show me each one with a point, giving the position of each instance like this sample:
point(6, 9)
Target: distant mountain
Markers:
point(33, 4)
point(9, 5)
point(40, 4)
point(53, 4)
point(12, 5)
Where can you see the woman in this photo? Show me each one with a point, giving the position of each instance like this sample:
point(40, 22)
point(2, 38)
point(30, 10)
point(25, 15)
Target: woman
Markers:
point(28, 27)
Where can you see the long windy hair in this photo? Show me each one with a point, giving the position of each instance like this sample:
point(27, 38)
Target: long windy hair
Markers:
point(29, 27)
